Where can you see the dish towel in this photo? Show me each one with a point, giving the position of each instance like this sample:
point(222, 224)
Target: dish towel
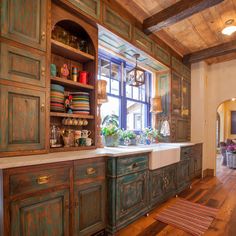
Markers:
point(165, 128)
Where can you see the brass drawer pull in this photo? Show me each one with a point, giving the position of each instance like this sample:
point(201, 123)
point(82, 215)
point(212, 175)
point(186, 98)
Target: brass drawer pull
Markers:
point(43, 35)
point(91, 171)
point(43, 71)
point(43, 179)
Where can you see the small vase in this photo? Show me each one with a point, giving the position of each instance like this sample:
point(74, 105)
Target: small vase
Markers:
point(112, 141)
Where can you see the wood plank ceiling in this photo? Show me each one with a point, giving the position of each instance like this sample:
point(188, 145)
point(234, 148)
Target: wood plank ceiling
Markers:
point(200, 31)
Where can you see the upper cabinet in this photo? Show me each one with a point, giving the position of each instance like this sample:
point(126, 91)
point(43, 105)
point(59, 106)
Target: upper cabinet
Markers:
point(90, 7)
point(22, 66)
point(117, 23)
point(161, 54)
point(24, 21)
point(22, 123)
point(143, 41)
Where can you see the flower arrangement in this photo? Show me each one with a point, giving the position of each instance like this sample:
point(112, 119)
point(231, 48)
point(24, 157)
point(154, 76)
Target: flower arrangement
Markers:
point(151, 135)
point(231, 148)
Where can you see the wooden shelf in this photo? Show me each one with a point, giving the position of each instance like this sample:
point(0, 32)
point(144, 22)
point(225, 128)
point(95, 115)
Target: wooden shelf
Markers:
point(69, 52)
point(66, 149)
point(61, 114)
point(71, 84)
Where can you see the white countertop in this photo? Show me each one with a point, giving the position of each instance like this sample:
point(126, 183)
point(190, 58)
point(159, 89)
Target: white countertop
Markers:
point(10, 162)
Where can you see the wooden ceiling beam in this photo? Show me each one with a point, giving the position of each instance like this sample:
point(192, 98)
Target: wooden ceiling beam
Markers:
point(176, 12)
point(219, 50)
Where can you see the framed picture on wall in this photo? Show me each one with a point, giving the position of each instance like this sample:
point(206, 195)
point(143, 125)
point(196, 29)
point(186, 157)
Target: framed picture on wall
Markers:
point(233, 122)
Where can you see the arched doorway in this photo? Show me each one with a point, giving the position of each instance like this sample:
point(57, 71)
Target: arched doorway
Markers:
point(225, 130)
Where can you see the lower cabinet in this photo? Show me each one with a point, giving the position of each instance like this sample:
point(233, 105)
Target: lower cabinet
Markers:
point(44, 214)
point(162, 184)
point(131, 197)
point(127, 190)
point(183, 178)
point(89, 208)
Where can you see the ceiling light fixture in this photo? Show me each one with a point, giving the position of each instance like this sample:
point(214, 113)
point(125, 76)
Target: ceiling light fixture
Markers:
point(136, 76)
point(229, 29)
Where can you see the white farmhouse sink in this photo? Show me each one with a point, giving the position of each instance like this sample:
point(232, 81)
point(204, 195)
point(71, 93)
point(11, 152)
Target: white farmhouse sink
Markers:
point(164, 155)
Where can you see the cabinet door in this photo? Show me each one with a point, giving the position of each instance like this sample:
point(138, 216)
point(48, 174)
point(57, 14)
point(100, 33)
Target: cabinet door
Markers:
point(191, 167)
point(25, 21)
point(42, 215)
point(90, 208)
point(169, 180)
point(22, 123)
point(156, 186)
point(197, 166)
point(186, 98)
point(176, 94)
point(131, 195)
point(22, 66)
point(182, 174)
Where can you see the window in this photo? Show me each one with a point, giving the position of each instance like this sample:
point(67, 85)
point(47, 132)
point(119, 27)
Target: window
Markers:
point(130, 104)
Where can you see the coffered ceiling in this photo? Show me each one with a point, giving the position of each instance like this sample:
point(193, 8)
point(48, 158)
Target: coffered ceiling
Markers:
point(200, 31)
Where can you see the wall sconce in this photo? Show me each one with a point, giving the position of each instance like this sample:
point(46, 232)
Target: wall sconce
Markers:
point(156, 106)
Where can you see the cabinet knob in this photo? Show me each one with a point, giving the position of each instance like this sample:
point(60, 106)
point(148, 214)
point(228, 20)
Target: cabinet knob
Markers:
point(43, 35)
point(43, 71)
point(43, 107)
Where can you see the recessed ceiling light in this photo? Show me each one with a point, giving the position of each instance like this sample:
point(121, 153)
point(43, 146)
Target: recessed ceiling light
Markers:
point(229, 29)
point(233, 99)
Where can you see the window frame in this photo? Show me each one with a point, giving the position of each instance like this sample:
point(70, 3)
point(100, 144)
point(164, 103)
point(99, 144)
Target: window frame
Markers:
point(122, 90)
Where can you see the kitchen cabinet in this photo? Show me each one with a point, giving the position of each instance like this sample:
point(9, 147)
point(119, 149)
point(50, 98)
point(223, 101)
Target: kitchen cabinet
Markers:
point(127, 190)
point(24, 21)
point(89, 208)
point(131, 197)
point(22, 123)
point(183, 175)
point(197, 156)
point(44, 214)
point(22, 66)
point(89, 196)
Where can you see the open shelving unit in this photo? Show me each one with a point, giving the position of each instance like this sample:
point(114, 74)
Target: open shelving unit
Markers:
point(61, 54)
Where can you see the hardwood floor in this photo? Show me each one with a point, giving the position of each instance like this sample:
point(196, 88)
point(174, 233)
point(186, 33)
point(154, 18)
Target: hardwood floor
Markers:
point(218, 192)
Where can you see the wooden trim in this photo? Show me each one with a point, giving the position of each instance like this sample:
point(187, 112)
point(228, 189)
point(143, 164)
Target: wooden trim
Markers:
point(215, 51)
point(175, 13)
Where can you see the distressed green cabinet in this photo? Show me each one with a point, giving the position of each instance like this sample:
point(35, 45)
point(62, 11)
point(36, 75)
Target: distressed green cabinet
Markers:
point(22, 66)
point(24, 21)
point(131, 197)
point(90, 7)
point(183, 175)
point(22, 123)
point(89, 208)
point(197, 156)
point(169, 180)
point(156, 187)
point(89, 196)
point(127, 190)
point(45, 214)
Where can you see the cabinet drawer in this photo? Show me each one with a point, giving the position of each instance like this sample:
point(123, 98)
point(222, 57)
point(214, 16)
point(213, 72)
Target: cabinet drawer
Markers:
point(131, 164)
point(186, 152)
point(86, 169)
point(33, 181)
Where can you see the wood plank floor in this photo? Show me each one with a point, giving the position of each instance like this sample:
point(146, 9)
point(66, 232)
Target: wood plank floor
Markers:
point(218, 192)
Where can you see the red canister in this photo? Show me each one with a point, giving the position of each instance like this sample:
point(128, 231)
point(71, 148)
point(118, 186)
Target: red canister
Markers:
point(83, 77)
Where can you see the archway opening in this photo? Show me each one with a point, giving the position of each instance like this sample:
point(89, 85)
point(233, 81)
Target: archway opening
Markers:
point(225, 132)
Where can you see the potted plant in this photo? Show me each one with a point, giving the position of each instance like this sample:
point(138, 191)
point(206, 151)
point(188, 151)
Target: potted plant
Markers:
point(111, 134)
point(128, 136)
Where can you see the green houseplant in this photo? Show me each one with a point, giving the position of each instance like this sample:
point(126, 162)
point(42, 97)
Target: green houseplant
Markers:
point(128, 135)
point(111, 135)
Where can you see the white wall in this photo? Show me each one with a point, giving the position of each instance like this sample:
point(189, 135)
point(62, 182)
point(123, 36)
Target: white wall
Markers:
point(211, 85)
